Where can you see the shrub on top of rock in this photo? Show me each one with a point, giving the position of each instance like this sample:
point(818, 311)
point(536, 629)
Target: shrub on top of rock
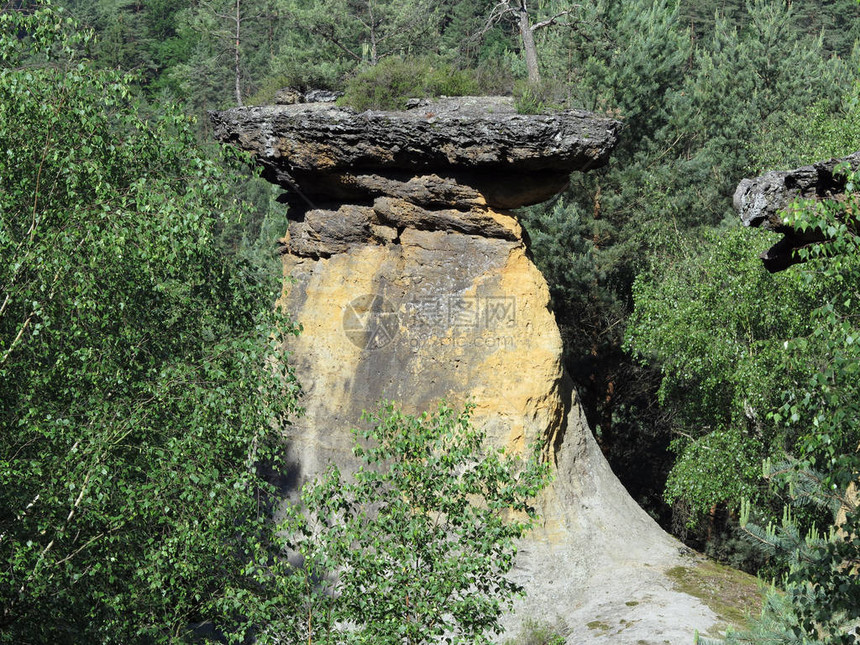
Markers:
point(388, 85)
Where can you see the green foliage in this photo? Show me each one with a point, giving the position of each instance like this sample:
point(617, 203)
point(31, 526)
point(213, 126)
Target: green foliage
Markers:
point(532, 98)
point(266, 91)
point(820, 596)
point(837, 22)
point(147, 38)
point(821, 602)
point(367, 31)
point(141, 378)
point(729, 115)
point(716, 322)
point(388, 85)
point(702, 15)
point(825, 404)
point(415, 548)
point(820, 132)
point(463, 20)
point(719, 467)
point(745, 83)
point(565, 255)
point(692, 110)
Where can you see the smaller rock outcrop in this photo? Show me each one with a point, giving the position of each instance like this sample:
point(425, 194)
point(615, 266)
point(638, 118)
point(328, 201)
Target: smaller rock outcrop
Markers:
point(761, 203)
point(291, 96)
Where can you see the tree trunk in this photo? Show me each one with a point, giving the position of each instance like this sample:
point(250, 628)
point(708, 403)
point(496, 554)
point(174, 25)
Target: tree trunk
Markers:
point(849, 505)
point(238, 74)
point(529, 49)
point(374, 56)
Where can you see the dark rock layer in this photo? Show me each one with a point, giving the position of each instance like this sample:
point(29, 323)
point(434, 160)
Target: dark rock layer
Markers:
point(325, 152)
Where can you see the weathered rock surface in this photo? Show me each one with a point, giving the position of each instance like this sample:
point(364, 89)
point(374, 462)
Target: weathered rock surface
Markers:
point(335, 153)
point(439, 314)
point(291, 96)
point(412, 282)
point(761, 202)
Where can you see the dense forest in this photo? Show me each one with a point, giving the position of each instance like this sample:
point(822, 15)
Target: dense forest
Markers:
point(724, 397)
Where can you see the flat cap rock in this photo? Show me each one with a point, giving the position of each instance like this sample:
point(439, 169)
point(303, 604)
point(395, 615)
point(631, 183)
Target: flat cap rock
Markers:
point(762, 201)
point(327, 151)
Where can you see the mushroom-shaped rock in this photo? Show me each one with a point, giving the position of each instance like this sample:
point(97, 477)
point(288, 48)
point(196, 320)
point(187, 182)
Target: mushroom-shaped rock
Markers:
point(399, 232)
point(762, 202)
point(413, 283)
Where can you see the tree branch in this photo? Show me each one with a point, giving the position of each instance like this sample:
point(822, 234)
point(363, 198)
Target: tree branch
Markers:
point(500, 11)
point(334, 41)
point(553, 19)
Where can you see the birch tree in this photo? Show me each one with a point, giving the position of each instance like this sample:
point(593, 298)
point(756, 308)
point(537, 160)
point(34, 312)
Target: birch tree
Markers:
point(523, 17)
point(139, 378)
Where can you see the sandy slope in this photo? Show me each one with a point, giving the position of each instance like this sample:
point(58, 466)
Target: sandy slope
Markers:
point(598, 571)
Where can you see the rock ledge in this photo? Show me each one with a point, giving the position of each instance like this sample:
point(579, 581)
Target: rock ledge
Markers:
point(762, 201)
point(461, 150)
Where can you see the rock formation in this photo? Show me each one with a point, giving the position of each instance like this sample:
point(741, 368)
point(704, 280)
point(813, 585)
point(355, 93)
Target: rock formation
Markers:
point(412, 281)
point(761, 203)
point(409, 277)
